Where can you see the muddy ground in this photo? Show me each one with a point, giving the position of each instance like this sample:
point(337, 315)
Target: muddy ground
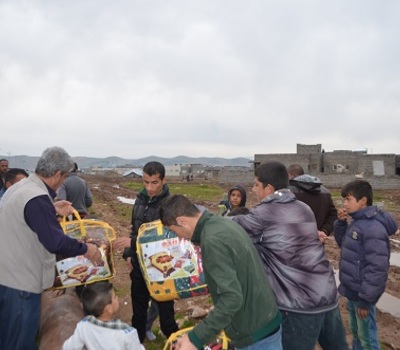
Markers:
point(106, 189)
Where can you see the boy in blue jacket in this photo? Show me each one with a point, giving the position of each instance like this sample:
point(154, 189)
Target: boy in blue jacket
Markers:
point(362, 231)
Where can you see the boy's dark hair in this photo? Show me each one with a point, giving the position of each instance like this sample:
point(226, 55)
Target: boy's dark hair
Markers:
point(96, 296)
point(274, 174)
point(12, 173)
point(154, 168)
point(238, 211)
point(358, 189)
point(75, 168)
point(175, 206)
point(295, 170)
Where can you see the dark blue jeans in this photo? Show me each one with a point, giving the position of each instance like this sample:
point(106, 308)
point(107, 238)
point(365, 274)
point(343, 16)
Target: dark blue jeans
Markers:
point(19, 319)
point(304, 331)
point(273, 342)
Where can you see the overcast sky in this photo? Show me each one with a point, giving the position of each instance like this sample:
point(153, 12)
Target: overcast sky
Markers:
point(198, 78)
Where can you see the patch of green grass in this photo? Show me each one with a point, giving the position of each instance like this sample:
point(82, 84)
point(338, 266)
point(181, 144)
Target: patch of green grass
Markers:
point(157, 344)
point(198, 191)
point(188, 323)
point(123, 210)
point(179, 316)
point(133, 185)
point(385, 198)
point(194, 191)
point(378, 196)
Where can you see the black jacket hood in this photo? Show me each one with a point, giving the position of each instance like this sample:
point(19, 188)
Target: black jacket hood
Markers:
point(307, 183)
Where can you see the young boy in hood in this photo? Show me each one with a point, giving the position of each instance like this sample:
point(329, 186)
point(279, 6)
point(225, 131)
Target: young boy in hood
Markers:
point(362, 232)
point(236, 199)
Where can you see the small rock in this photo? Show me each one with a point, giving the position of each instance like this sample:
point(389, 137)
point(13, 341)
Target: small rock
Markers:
point(199, 312)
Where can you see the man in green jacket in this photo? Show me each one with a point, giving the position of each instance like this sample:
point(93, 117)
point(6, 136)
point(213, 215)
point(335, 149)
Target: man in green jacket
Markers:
point(244, 304)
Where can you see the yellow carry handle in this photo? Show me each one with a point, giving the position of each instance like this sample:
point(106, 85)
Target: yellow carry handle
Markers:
point(174, 337)
point(85, 224)
point(78, 220)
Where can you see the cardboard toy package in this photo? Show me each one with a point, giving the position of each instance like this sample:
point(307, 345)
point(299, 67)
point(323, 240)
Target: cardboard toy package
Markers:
point(172, 267)
point(78, 270)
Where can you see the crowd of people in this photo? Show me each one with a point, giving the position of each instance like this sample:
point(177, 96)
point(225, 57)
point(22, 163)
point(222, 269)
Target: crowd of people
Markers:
point(269, 278)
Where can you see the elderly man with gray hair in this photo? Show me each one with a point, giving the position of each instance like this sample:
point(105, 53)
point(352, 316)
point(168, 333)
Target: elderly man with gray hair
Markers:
point(30, 236)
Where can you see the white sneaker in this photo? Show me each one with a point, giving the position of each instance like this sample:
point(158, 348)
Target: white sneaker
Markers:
point(150, 336)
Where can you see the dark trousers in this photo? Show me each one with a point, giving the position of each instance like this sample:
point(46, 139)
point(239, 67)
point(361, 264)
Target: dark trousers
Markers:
point(140, 303)
point(19, 319)
point(303, 331)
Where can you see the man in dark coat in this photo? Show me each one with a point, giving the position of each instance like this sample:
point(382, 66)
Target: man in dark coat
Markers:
point(284, 232)
point(309, 190)
point(145, 210)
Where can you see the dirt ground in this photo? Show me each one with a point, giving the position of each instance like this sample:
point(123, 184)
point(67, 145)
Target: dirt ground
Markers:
point(106, 189)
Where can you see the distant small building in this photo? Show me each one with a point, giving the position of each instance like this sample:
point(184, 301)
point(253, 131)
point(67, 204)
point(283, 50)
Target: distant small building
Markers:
point(173, 170)
point(136, 172)
point(184, 170)
point(315, 161)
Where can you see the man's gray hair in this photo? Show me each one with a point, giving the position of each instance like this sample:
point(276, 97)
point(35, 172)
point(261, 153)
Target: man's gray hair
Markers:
point(54, 159)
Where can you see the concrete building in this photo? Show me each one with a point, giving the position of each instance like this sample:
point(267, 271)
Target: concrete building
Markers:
point(341, 166)
point(173, 170)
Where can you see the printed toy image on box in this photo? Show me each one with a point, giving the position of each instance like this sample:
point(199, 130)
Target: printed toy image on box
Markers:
point(78, 270)
point(172, 266)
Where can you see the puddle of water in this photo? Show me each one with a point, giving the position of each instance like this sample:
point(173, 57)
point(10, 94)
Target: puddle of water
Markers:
point(126, 200)
point(387, 303)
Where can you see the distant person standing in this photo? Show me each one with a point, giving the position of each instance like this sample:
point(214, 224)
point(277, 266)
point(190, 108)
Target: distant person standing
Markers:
point(13, 175)
point(309, 190)
point(76, 190)
point(3, 171)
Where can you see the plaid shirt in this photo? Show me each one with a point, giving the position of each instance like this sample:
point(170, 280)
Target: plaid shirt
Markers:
point(114, 324)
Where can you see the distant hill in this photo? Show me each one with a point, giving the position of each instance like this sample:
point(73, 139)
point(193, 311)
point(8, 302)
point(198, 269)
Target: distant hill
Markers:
point(190, 160)
point(28, 162)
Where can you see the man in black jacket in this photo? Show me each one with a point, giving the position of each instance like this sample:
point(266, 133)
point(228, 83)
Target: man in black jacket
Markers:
point(145, 210)
point(309, 190)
